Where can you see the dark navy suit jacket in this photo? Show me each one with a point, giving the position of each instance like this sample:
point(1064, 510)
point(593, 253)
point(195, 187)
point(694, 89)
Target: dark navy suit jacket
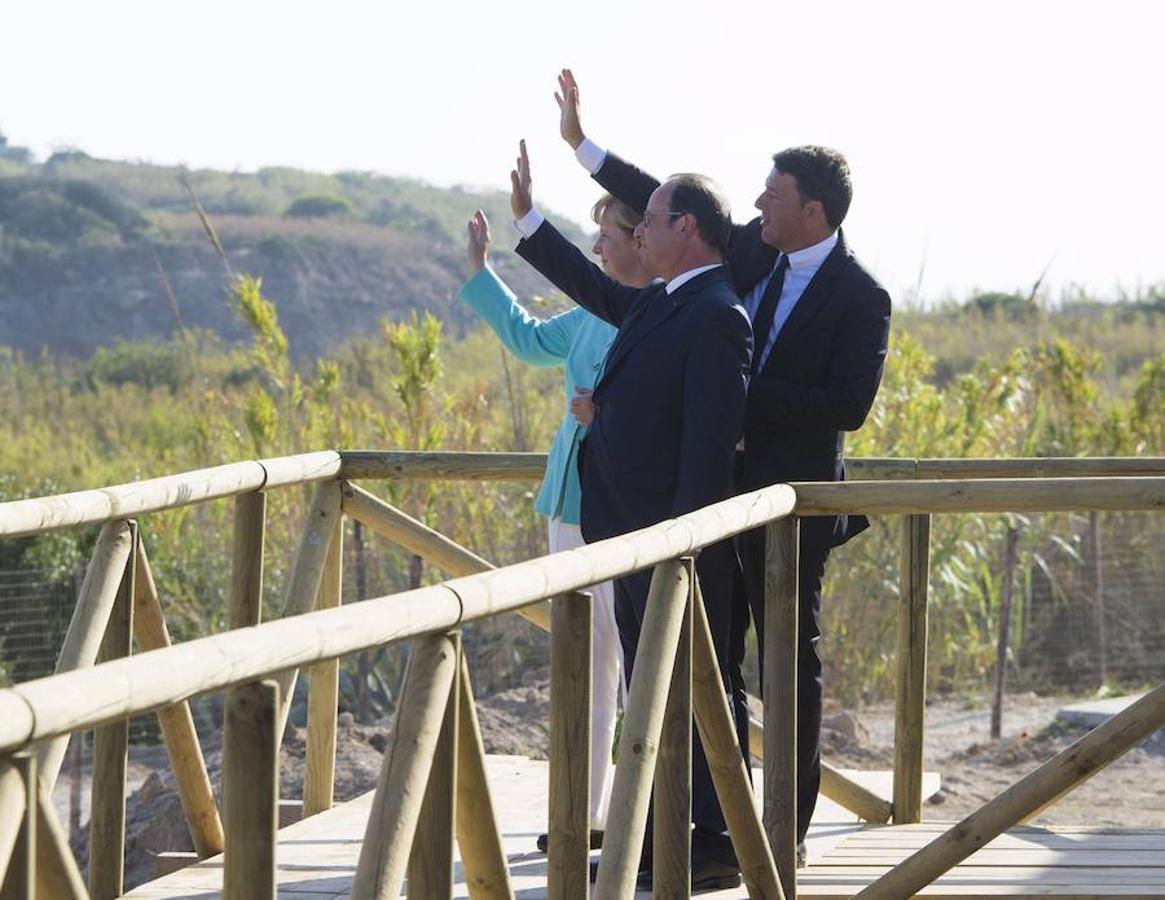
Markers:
point(671, 399)
point(823, 373)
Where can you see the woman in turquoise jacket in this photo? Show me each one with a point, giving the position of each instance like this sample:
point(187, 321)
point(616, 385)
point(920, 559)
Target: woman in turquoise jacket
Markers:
point(578, 342)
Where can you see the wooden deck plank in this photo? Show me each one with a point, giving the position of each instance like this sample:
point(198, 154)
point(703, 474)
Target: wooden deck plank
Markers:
point(317, 856)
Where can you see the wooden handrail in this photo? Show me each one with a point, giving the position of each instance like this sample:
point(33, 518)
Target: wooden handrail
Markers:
point(61, 704)
point(980, 496)
point(19, 518)
point(424, 465)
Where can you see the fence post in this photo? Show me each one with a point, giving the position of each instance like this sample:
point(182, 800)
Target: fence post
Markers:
point(1006, 595)
point(482, 855)
point(303, 583)
point(430, 868)
point(177, 722)
point(246, 598)
point(19, 882)
point(111, 754)
point(570, 743)
point(911, 664)
point(323, 693)
point(779, 693)
point(250, 790)
point(672, 832)
point(88, 625)
point(714, 721)
point(57, 874)
point(642, 723)
point(404, 775)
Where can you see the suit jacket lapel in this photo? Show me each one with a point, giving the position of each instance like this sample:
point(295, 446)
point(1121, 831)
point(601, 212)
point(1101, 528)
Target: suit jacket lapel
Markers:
point(653, 312)
point(815, 296)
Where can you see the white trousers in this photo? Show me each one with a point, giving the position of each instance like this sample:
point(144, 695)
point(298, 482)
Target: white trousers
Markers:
point(606, 675)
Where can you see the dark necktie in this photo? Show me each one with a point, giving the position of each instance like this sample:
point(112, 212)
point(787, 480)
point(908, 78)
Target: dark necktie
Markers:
point(766, 311)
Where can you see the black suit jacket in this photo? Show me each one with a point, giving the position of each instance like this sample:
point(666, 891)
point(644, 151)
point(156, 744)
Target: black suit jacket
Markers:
point(671, 399)
point(823, 372)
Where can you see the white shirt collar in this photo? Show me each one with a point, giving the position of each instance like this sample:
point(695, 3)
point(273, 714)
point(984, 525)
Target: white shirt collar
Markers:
point(814, 256)
point(684, 277)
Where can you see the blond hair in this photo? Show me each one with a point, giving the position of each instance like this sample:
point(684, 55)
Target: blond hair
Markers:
point(625, 217)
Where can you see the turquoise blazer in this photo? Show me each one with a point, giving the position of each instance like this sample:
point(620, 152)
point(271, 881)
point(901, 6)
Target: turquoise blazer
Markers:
point(575, 340)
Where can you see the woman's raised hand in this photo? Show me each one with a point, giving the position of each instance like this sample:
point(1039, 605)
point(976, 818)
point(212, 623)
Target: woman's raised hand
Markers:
point(478, 229)
point(521, 185)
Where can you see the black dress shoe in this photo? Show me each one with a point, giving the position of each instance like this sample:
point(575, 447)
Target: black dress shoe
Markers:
point(707, 875)
point(596, 841)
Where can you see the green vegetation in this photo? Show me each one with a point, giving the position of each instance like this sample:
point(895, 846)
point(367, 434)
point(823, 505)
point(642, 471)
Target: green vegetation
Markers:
point(140, 409)
point(998, 376)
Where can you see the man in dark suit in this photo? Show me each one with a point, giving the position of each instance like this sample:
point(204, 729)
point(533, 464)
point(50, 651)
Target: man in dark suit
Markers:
point(821, 325)
point(669, 406)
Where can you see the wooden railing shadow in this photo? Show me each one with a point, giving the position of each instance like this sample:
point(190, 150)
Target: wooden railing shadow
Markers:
point(432, 785)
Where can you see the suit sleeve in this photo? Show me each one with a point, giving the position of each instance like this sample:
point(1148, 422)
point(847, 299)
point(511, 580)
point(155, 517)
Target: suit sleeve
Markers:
point(748, 258)
point(626, 182)
point(576, 276)
point(715, 385)
point(538, 342)
point(844, 401)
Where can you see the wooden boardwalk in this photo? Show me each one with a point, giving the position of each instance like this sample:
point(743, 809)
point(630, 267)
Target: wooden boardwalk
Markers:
point(317, 857)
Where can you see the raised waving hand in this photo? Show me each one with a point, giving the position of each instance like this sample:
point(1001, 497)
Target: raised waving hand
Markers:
point(478, 247)
point(521, 185)
point(569, 124)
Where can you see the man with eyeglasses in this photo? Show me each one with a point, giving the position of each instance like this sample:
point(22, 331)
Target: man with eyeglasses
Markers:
point(821, 325)
point(668, 409)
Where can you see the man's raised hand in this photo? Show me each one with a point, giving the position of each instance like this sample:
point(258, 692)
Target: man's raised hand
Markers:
point(568, 117)
point(521, 189)
point(478, 229)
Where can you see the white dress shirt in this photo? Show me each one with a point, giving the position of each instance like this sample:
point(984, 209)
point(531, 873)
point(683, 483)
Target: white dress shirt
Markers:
point(803, 265)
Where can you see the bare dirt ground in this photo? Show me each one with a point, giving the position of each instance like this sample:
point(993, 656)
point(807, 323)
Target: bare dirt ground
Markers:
point(1130, 793)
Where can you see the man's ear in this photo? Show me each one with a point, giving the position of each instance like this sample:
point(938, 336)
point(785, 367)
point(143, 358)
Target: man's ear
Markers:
point(815, 211)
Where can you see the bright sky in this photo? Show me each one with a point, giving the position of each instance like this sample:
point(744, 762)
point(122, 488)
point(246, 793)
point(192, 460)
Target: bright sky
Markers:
point(987, 139)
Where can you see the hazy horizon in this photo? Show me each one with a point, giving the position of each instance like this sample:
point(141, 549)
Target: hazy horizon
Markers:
point(988, 142)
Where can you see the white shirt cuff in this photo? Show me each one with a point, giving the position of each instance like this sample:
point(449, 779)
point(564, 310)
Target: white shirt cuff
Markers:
point(590, 155)
point(529, 223)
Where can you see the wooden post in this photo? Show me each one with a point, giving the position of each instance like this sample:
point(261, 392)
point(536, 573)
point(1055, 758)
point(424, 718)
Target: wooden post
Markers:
point(642, 723)
point(570, 747)
point(12, 801)
point(250, 790)
point(726, 762)
point(246, 597)
point(672, 832)
point(103, 578)
point(57, 875)
point(842, 790)
point(307, 570)
point(19, 882)
point(1010, 559)
point(1025, 798)
point(323, 694)
point(430, 869)
point(396, 808)
point(482, 855)
point(176, 722)
point(779, 693)
point(1095, 558)
point(911, 663)
point(111, 755)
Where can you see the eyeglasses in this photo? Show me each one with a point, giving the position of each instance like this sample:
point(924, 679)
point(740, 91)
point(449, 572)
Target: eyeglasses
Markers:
point(648, 215)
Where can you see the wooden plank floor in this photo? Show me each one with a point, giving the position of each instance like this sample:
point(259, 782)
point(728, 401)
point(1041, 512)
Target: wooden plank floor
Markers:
point(317, 857)
point(1024, 862)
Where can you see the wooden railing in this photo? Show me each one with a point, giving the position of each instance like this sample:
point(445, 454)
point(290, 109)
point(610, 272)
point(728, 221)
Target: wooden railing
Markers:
point(436, 744)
